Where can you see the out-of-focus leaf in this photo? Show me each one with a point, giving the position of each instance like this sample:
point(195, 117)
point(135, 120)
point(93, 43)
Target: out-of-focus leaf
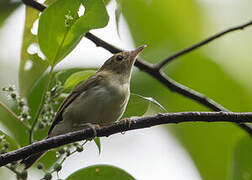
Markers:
point(167, 26)
point(241, 167)
point(106, 2)
point(6, 8)
point(77, 78)
point(101, 172)
point(60, 27)
point(14, 128)
point(138, 105)
point(98, 144)
point(32, 66)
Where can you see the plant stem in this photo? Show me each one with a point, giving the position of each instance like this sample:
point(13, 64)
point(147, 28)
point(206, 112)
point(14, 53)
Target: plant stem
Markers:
point(40, 105)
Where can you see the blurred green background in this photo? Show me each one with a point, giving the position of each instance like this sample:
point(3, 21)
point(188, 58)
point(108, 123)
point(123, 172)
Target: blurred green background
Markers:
point(220, 70)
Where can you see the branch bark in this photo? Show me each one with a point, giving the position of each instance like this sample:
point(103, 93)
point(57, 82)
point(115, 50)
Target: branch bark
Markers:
point(123, 126)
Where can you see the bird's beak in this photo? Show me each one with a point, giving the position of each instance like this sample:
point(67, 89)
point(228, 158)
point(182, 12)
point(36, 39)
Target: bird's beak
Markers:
point(135, 53)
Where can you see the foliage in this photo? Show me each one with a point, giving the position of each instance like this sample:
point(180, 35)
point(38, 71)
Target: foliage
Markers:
point(219, 151)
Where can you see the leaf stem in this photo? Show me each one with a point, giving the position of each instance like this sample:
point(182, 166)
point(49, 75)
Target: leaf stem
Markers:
point(13, 114)
point(40, 105)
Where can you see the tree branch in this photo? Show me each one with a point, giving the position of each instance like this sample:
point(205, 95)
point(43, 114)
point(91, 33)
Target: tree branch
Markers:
point(202, 43)
point(123, 126)
point(159, 75)
point(168, 82)
point(34, 4)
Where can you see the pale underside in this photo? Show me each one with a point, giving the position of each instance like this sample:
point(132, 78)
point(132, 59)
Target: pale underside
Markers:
point(100, 105)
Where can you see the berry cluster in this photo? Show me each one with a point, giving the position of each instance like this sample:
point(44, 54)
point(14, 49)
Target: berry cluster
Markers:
point(20, 102)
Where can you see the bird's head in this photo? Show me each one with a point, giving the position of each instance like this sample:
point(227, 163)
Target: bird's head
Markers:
point(122, 62)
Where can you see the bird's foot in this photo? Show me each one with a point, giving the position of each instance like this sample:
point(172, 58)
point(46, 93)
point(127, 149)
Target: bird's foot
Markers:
point(127, 121)
point(91, 126)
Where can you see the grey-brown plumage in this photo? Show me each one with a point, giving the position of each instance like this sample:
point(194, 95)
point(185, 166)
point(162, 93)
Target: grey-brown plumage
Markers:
point(101, 99)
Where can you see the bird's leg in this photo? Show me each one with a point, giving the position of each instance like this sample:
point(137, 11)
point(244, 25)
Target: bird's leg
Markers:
point(89, 125)
point(127, 121)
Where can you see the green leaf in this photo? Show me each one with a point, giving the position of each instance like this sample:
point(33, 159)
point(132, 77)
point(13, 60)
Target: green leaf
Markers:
point(14, 128)
point(138, 105)
point(106, 2)
point(101, 172)
point(241, 167)
point(98, 144)
point(77, 78)
point(60, 27)
point(31, 66)
point(12, 143)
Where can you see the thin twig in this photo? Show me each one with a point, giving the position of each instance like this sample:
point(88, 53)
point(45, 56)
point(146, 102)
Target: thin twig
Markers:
point(123, 126)
point(202, 43)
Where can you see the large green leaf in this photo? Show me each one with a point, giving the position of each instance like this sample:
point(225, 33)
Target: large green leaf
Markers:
point(241, 165)
point(60, 27)
point(77, 78)
point(138, 105)
point(101, 172)
point(32, 66)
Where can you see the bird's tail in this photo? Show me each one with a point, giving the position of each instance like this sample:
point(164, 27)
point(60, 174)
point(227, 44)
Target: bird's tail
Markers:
point(30, 160)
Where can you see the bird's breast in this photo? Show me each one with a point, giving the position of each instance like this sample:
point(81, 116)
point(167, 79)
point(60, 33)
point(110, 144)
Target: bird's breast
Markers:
point(101, 104)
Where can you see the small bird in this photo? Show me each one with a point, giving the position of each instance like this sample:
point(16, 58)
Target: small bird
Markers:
point(100, 100)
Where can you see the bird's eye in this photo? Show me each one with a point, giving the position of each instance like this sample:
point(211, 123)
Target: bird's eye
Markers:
point(119, 58)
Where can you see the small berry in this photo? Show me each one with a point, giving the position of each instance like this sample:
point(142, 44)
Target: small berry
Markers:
point(40, 166)
point(41, 126)
point(24, 115)
point(13, 96)
point(57, 167)
point(21, 103)
point(6, 145)
point(68, 152)
point(43, 111)
point(61, 151)
point(48, 176)
point(79, 148)
point(10, 88)
point(76, 144)
point(23, 174)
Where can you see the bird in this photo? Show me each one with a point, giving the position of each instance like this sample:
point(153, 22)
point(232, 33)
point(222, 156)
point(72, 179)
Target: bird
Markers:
point(100, 100)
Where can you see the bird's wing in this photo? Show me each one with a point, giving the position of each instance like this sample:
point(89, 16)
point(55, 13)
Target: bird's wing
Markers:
point(90, 82)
